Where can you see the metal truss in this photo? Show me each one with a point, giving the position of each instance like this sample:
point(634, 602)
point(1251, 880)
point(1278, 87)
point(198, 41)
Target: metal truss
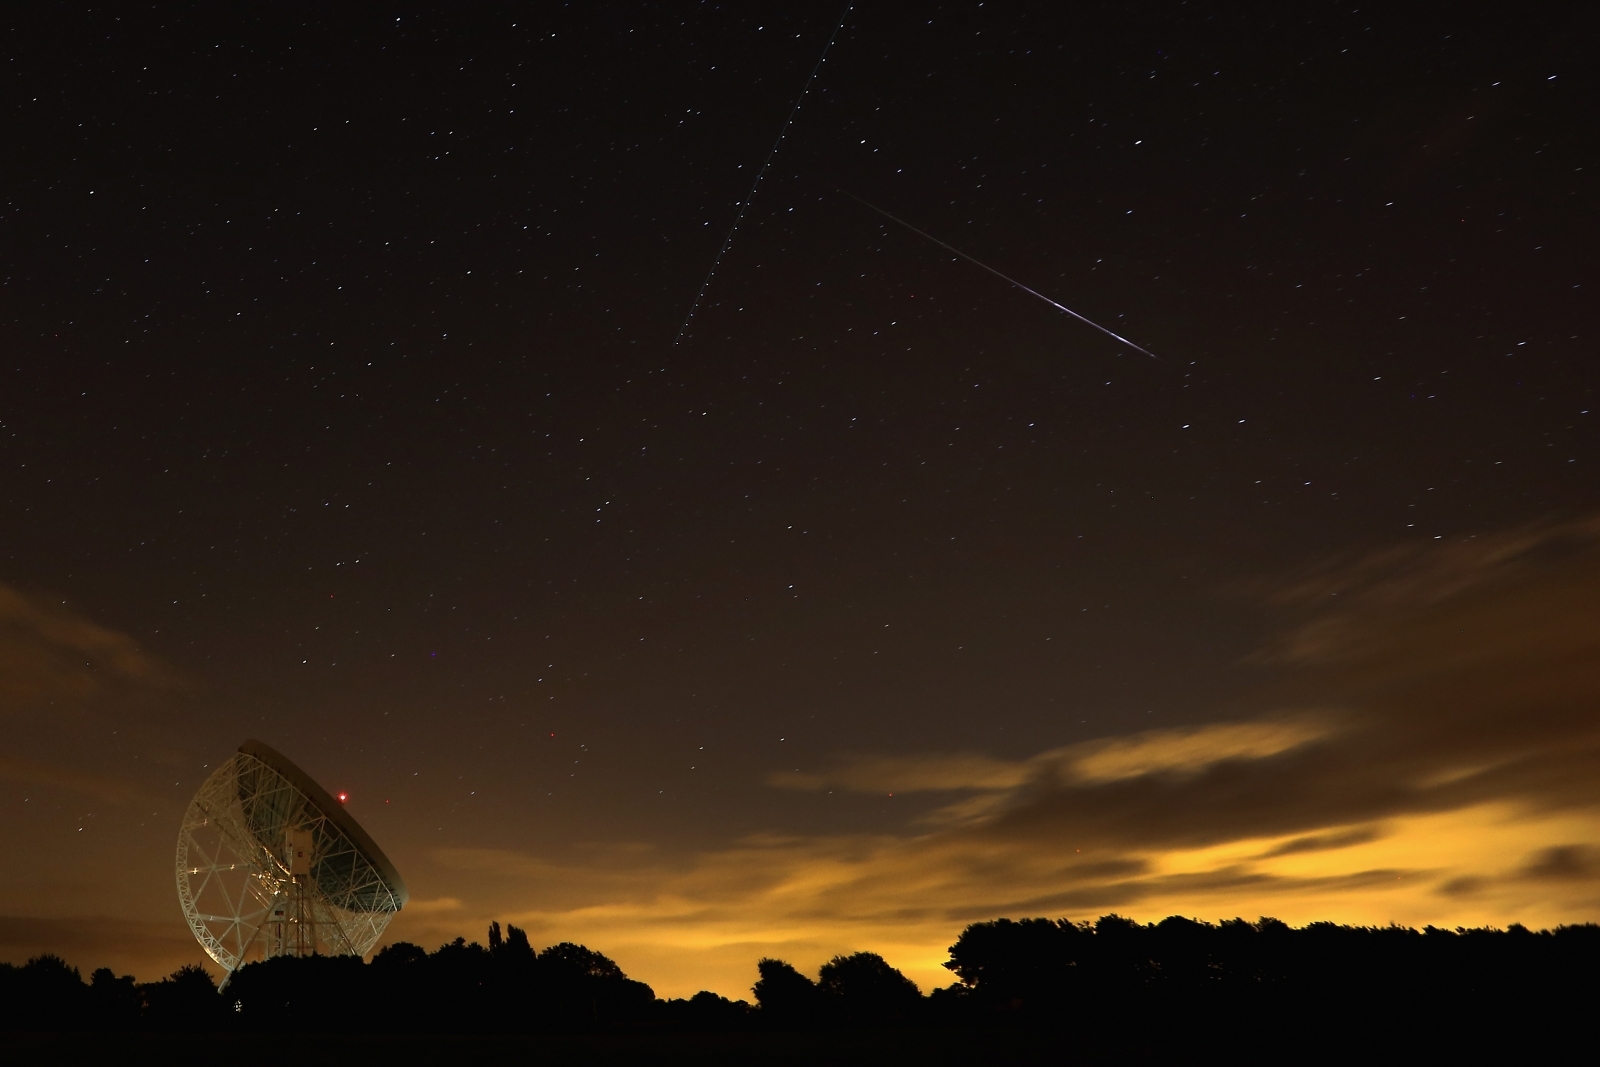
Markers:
point(244, 894)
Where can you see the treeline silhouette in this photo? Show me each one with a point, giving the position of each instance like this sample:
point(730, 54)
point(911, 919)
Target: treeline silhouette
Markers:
point(1099, 978)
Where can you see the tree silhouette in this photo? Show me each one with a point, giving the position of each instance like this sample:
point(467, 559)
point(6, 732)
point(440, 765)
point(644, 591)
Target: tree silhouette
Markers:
point(400, 954)
point(1260, 985)
point(569, 961)
point(46, 993)
point(868, 990)
point(704, 1012)
point(184, 1000)
point(786, 996)
point(517, 951)
point(1017, 964)
point(113, 1003)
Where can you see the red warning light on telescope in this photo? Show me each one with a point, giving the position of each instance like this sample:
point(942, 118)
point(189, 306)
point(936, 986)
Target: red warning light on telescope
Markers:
point(343, 797)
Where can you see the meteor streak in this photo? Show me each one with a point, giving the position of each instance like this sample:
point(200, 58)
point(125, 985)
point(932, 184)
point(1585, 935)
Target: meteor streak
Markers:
point(997, 274)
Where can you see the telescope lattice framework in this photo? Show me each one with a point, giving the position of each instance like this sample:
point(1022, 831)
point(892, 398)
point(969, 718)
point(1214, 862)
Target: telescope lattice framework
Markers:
point(269, 864)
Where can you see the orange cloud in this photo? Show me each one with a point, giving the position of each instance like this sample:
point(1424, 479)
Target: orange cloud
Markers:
point(1454, 778)
point(1169, 751)
point(1451, 774)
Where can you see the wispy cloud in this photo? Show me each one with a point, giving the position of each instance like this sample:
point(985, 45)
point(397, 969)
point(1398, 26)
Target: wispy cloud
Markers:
point(1179, 751)
point(1453, 776)
point(101, 786)
point(48, 652)
point(918, 773)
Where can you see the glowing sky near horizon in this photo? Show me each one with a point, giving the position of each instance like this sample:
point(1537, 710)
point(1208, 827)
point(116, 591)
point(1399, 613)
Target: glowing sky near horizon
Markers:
point(340, 408)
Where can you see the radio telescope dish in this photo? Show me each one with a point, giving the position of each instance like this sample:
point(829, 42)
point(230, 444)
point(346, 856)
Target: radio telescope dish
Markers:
point(270, 865)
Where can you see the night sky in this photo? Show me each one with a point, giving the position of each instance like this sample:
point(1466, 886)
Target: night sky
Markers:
point(339, 407)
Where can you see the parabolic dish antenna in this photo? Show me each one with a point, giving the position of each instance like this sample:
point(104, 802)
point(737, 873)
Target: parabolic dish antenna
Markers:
point(270, 865)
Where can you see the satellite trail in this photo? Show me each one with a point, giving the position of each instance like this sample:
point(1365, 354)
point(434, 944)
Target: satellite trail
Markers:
point(997, 274)
point(727, 241)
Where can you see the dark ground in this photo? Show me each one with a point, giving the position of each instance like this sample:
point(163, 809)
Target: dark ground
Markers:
point(931, 1047)
point(972, 1046)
